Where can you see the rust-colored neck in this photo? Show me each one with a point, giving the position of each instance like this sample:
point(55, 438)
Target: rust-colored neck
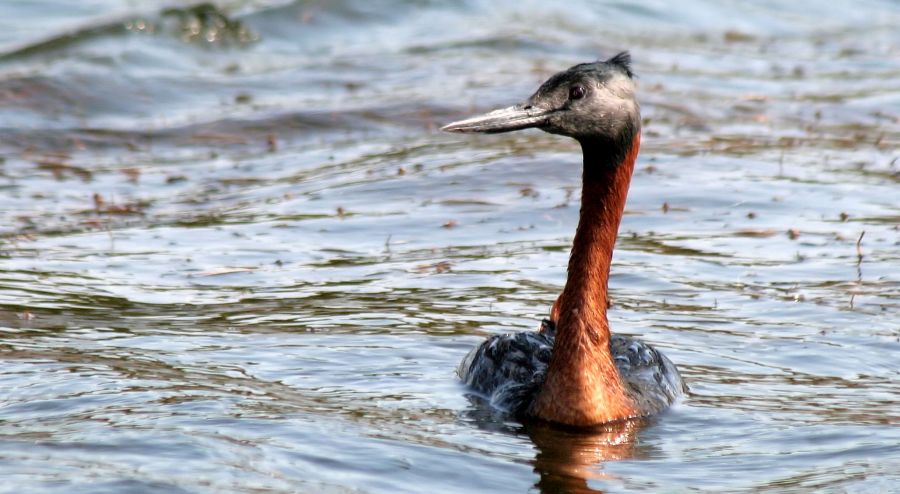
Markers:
point(583, 386)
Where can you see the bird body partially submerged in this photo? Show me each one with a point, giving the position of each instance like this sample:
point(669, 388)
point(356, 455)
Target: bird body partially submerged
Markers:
point(573, 371)
point(510, 369)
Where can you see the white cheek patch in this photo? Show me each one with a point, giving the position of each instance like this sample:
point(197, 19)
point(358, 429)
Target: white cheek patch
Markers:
point(618, 93)
point(620, 86)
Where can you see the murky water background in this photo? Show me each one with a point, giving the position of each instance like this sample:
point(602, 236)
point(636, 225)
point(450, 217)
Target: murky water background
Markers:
point(236, 255)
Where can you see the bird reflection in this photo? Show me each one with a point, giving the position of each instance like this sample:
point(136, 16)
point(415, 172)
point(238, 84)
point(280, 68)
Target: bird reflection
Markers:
point(567, 459)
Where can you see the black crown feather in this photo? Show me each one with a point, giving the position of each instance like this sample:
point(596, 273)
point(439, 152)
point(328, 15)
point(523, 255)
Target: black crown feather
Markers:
point(623, 61)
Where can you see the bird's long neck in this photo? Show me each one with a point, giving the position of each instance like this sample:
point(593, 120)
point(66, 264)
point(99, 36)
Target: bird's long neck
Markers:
point(582, 385)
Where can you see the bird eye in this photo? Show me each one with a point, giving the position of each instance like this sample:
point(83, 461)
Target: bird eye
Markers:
point(576, 92)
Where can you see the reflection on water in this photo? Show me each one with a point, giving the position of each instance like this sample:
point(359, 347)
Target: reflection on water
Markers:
point(567, 460)
point(236, 255)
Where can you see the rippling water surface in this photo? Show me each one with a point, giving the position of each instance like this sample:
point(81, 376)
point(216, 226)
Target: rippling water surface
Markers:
point(236, 254)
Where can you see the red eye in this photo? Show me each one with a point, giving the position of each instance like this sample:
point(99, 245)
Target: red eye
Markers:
point(576, 92)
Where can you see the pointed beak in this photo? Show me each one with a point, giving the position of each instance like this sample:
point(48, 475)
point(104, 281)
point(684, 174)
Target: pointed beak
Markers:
point(503, 120)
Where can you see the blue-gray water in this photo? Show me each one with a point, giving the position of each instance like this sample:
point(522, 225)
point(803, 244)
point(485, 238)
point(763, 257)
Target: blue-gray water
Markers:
point(236, 254)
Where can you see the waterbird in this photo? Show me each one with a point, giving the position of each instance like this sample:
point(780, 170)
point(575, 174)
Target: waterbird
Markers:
point(572, 371)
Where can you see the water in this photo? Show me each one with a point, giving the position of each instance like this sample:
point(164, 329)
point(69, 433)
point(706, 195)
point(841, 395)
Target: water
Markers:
point(236, 254)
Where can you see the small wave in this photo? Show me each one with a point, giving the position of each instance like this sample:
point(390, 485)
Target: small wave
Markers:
point(201, 24)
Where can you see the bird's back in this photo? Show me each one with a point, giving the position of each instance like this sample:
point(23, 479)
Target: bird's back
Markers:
point(510, 369)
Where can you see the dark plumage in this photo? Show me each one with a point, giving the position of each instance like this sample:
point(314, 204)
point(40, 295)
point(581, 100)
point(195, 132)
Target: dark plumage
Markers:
point(509, 370)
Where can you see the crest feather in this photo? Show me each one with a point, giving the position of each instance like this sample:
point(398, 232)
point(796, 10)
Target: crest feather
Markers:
point(623, 61)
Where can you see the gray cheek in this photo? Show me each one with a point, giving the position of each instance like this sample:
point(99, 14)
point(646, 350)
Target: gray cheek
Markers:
point(553, 126)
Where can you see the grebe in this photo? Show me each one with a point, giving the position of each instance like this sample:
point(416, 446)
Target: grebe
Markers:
point(572, 371)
